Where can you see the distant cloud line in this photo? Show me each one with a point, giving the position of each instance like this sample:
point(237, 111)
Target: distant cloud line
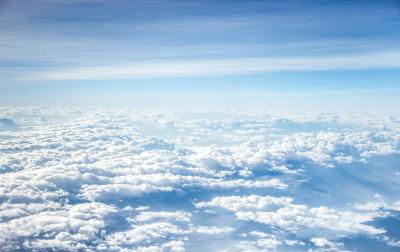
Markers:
point(221, 67)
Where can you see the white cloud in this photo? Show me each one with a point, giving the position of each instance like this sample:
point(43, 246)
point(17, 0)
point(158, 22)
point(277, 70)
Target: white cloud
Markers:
point(144, 232)
point(97, 180)
point(326, 245)
point(71, 228)
point(263, 244)
point(251, 202)
point(322, 242)
point(283, 214)
point(150, 216)
point(158, 69)
point(213, 230)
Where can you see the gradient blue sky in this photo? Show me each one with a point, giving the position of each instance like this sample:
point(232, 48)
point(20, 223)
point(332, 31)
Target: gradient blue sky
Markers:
point(341, 55)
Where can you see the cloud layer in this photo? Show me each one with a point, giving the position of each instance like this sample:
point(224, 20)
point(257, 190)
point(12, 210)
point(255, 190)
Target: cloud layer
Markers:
point(223, 67)
point(121, 180)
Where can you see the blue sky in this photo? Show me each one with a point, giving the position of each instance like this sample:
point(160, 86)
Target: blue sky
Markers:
point(294, 54)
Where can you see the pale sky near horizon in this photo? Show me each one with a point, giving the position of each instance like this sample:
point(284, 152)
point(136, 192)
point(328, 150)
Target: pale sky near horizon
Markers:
point(274, 54)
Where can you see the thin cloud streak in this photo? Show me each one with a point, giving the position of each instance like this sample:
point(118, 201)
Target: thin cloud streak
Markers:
point(221, 67)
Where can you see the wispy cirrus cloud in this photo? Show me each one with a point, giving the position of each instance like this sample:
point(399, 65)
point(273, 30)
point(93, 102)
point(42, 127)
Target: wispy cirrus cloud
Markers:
point(175, 68)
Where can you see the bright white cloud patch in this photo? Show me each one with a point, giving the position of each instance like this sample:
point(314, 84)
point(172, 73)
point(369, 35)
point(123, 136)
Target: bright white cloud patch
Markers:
point(120, 180)
point(283, 214)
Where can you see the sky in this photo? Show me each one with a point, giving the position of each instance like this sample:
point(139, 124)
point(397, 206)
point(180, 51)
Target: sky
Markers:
point(196, 125)
point(336, 55)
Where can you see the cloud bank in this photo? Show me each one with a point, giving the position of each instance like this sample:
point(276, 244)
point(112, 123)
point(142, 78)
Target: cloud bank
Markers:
point(121, 180)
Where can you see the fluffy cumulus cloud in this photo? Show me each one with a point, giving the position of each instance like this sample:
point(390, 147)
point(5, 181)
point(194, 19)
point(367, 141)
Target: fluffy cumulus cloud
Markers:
point(122, 180)
point(283, 214)
point(69, 228)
